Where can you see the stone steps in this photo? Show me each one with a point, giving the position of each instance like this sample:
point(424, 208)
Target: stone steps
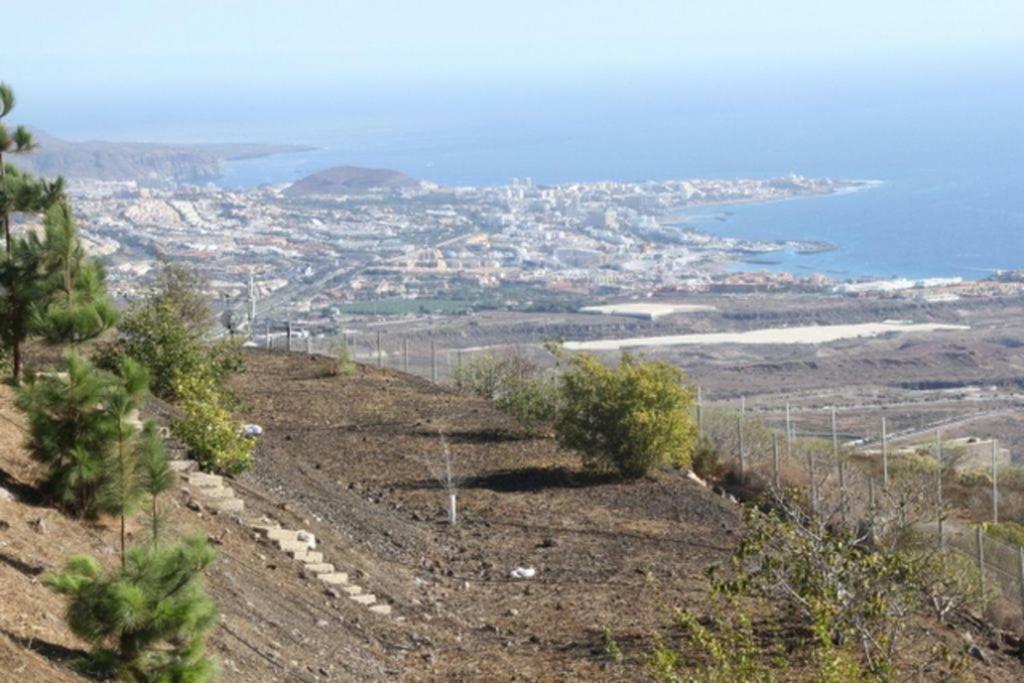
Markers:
point(236, 505)
point(290, 547)
point(216, 494)
point(335, 579)
point(183, 466)
point(366, 599)
point(309, 557)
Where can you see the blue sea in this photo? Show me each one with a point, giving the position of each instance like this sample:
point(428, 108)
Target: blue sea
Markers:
point(948, 152)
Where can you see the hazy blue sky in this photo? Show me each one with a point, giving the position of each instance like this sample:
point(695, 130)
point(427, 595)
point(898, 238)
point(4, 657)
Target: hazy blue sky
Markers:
point(336, 41)
point(86, 66)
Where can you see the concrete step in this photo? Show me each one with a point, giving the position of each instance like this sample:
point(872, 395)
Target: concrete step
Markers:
point(263, 529)
point(219, 492)
point(319, 568)
point(183, 466)
point(382, 609)
point(364, 599)
point(204, 479)
point(227, 504)
point(291, 547)
point(280, 534)
point(351, 590)
point(309, 557)
point(335, 579)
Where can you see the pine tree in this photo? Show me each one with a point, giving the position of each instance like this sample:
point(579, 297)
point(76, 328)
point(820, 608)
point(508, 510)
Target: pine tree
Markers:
point(156, 474)
point(75, 307)
point(122, 481)
point(18, 142)
point(71, 432)
point(149, 620)
point(20, 289)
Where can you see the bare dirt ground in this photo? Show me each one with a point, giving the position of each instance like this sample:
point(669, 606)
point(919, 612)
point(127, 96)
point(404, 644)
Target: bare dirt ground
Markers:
point(353, 459)
point(355, 453)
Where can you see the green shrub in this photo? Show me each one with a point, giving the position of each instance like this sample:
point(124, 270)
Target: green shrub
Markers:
point(1007, 532)
point(705, 462)
point(513, 383)
point(533, 401)
point(630, 418)
point(149, 620)
point(343, 365)
point(213, 437)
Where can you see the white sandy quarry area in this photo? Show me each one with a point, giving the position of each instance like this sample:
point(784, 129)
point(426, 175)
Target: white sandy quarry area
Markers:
point(815, 334)
point(650, 311)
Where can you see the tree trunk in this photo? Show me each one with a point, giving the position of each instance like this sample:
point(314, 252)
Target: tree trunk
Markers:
point(6, 217)
point(16, 368)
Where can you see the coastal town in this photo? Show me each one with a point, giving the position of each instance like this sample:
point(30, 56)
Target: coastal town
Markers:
point(523, 246)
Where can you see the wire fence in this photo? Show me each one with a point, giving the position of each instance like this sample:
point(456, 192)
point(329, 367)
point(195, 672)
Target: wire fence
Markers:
point(858, 480)
point(862, 482)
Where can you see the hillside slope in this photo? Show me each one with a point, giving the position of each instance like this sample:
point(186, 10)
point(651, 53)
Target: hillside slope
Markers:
point(354, 459)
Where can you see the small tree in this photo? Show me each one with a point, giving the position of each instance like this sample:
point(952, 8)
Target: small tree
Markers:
point(149, 620)
point(71, 432)
point(17, 143)
point(20, 289)
point(75, 306)
point(166, 330)
point(122, 481)
point(156, 474)
point(630, 418)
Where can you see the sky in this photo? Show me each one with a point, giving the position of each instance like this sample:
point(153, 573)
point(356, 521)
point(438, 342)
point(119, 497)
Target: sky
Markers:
point(87, 57)
point(272, 42)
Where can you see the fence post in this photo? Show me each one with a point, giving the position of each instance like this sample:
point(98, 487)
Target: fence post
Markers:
point(839, 467)
point(266, 337)
point(288, 343)
point(885, 455)
point(775, 460)
point(380, 352)
point(995, 483)
point(700, 412)
point(743, 455)
point(405, 355)
point(433, 362)
point(814, 482)
point(871, 508)
point(941, 515)
point(981, 558)
point(789, 432)
point(1020, 575)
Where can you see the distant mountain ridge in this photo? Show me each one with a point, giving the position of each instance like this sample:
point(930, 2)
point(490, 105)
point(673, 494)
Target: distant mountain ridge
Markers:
point(349, 179)
point(144, 162)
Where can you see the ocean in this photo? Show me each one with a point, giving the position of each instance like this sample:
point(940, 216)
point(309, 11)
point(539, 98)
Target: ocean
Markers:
point(947, 152)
